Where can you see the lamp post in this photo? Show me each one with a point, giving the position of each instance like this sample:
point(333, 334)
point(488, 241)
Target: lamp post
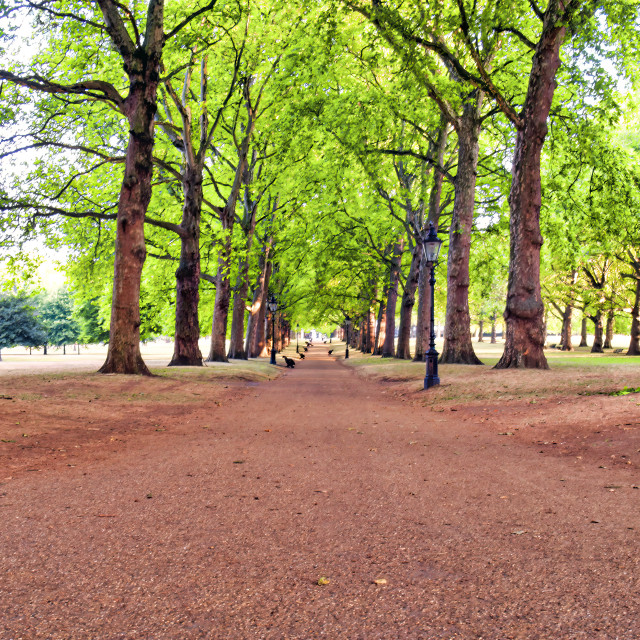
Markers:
point(431, 247)
point(347, 322)
point(297, 335)
point(273, 307)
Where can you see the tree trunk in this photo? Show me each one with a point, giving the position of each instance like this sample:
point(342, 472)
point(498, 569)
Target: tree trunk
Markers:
point(565, 334)
point(371, 327)
point(608, 334)
point(422, 328)
point(597, 334)
point(381, 324)
point(259, 343)
point(236, 348)
point(186, 351)
point(493, 329)
point(524, 346)
point(255, 322)
point(236, 345)
point(403, 350)
point(481, 330)
point(142, 67)
point(634, 344)
point(392, 298)
point(583, 331)
point(458, 348)
point(218, 351)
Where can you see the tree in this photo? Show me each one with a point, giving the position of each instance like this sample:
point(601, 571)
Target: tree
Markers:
point(56, 317)
point(18, 324)
point(139, 45)
point(90, 324)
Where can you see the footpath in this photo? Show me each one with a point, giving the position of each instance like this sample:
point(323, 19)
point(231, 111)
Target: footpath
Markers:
point(319, 505)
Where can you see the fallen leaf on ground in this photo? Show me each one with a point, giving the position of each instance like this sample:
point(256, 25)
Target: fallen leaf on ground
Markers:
point(322, 581)
point(380, 581)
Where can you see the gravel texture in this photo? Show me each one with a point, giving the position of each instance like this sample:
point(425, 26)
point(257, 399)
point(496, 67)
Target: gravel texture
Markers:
point(321, 505)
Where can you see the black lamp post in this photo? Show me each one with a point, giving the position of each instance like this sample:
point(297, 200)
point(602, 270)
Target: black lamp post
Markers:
point(297, 334)
point(347, 322)
point(273, 307)
point(431, 246)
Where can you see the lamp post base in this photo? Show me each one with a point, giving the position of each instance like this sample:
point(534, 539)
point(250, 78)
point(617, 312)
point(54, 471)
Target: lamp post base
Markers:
point(273, 356)
point(432, 379)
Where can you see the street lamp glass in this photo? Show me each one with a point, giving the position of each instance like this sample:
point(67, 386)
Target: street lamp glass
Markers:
point(273, 305)
point(432, 245)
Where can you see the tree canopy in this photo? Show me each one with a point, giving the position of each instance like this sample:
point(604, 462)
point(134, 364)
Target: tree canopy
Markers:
point(302, 149)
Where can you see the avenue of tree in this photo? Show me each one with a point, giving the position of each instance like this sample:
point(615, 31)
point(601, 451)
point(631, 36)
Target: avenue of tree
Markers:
point(192, 159)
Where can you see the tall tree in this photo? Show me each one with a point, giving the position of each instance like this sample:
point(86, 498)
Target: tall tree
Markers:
point(18, 324)
point(139, 45)
point(56, 316)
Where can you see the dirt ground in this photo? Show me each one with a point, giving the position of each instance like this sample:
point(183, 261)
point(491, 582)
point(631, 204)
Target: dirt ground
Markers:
point(323, 504)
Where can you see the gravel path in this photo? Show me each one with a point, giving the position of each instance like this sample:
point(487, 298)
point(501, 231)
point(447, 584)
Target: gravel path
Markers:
point(223, 527)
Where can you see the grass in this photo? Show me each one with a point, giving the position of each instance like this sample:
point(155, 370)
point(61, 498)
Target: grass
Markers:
point(571, 374)
point(248, 370)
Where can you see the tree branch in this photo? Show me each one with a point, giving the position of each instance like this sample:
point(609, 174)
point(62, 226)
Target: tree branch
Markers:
point(169, 226)
point(117, 30)
point(189, 18)
point(95, 89)
point(518, 34)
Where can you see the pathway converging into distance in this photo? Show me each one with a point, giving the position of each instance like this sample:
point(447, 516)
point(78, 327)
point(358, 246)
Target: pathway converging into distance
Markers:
point(319, 505)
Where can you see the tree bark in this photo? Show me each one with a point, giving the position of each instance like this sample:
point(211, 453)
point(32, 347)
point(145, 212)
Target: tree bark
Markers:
point(524, 346)
point(493, 329)
point(403, 349)
point(218, 351)
point(236, 347)
point(481, 330)
point(565, 334)
point(608, 334)
point(381, 324)
point(257, 338)
point(634, 343)
point(458, 348)
point(142, 66)
point(371, 327)
point(187, 326)
point(597, 333)
point(186, 351)
point(583, 330)
point(392, 298)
